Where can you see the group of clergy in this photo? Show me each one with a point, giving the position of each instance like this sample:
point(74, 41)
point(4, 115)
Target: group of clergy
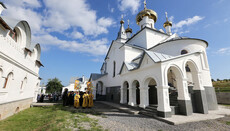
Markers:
point(78, 99)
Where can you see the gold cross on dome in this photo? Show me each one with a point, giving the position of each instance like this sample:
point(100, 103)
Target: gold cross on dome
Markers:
point(145, 4)
point(122, 17)
point(166, 14)
point(128, 22)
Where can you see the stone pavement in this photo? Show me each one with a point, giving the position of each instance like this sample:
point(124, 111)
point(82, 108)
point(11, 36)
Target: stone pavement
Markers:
point(114, 119)
point(177, 119)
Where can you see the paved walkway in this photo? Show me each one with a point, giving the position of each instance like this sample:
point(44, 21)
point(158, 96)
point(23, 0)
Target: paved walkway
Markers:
point(116, 120)
point(178, 119)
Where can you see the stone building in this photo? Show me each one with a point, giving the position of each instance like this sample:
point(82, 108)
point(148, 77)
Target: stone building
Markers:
point(158, 69)
point(19, 66)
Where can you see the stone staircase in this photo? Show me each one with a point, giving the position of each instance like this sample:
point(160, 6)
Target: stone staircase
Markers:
point(173, 99)
point(150, 111)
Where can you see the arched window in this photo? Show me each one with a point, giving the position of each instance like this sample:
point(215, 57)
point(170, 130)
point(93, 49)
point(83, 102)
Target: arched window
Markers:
point(187, 68)
point(23, 85)
point(13, 35)
point(8, 80)
point(184, 52)
point(114, 69)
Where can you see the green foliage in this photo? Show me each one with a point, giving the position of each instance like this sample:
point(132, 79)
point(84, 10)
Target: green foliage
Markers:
point(49, 118)
point(54, 85)
point(222, 85)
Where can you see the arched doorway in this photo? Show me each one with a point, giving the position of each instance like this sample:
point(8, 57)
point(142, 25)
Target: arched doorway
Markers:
point(172, 83)
point(196, 93)
point(178, 91)
point(126, 92)
point(152, 92)
point(136, 87)
point(100, 88)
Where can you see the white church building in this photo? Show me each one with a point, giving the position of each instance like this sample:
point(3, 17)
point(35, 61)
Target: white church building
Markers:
point(19, 66)
point(82, 81)
point(157, 69)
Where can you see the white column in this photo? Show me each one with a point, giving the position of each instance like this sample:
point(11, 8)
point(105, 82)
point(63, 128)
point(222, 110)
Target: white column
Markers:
point(163, 99)
point(182, 86)
point(196, 76)
point(132, 96)
point(144, 95)
point(123, 96)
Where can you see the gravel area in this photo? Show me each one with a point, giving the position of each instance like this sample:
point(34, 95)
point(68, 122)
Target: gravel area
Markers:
point(113, 119)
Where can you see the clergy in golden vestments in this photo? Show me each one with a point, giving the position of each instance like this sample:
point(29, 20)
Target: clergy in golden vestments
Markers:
point(85, 100)
point(90, 99)
point(76, 100)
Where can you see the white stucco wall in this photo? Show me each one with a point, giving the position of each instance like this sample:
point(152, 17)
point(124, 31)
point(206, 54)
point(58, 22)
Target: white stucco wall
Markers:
point(14, 59)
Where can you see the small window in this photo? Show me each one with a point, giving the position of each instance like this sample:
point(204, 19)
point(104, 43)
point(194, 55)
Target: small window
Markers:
point(184, 52)
point(7, 80)
point(13, 35)
point(187, 68)
point(114, 69)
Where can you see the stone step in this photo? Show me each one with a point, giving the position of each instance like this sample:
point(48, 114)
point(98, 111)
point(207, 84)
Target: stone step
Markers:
point(148, 114)
point(150, 110)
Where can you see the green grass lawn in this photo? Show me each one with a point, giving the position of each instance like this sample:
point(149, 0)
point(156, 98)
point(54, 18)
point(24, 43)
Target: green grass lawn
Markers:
point(221, 86)
point(50, 118)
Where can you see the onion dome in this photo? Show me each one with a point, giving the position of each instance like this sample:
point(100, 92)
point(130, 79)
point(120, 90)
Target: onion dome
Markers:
point(146, 12)
point(167, 23)
point(128, 29)
point(122, 22)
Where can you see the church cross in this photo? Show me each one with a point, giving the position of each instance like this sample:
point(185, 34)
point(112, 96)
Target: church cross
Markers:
point(145, 4)
point(128, 22)
point(166, 14)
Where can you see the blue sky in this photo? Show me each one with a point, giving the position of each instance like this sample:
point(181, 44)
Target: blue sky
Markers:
point(75, 34)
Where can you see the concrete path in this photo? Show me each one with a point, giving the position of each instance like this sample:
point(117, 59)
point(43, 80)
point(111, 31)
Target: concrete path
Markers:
point(215, 114)
point(178, 119)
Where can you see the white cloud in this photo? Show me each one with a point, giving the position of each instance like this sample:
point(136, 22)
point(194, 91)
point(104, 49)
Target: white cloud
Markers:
point(178, 27)
point(62, 17)
point(224, 51)
point(110, 8)
point(131, 5)
point(77, 35)
point(188, 22)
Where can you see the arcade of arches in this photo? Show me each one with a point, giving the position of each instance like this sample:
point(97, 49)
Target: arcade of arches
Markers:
point(184, 93)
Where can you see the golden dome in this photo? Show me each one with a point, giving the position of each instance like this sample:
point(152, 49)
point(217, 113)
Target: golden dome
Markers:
point(122, 22)
point(146, 12)
point(128, 30)
point(167, 23)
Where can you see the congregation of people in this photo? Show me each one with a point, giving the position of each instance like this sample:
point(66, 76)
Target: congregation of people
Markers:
point(78, 99)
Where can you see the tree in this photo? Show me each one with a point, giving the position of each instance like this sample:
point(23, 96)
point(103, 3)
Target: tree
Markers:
point(54, 85)
point(213, 80)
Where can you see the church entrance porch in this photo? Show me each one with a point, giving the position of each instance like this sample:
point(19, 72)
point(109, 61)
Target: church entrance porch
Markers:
point(134, 93)
point(196, 90)
point(178, 92)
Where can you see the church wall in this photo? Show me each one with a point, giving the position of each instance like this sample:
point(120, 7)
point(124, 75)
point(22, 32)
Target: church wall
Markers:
point(139, 39)
point(153, 38)
point(22, 89)
point(131, 53)
point(13, 107)
point(174, 48)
